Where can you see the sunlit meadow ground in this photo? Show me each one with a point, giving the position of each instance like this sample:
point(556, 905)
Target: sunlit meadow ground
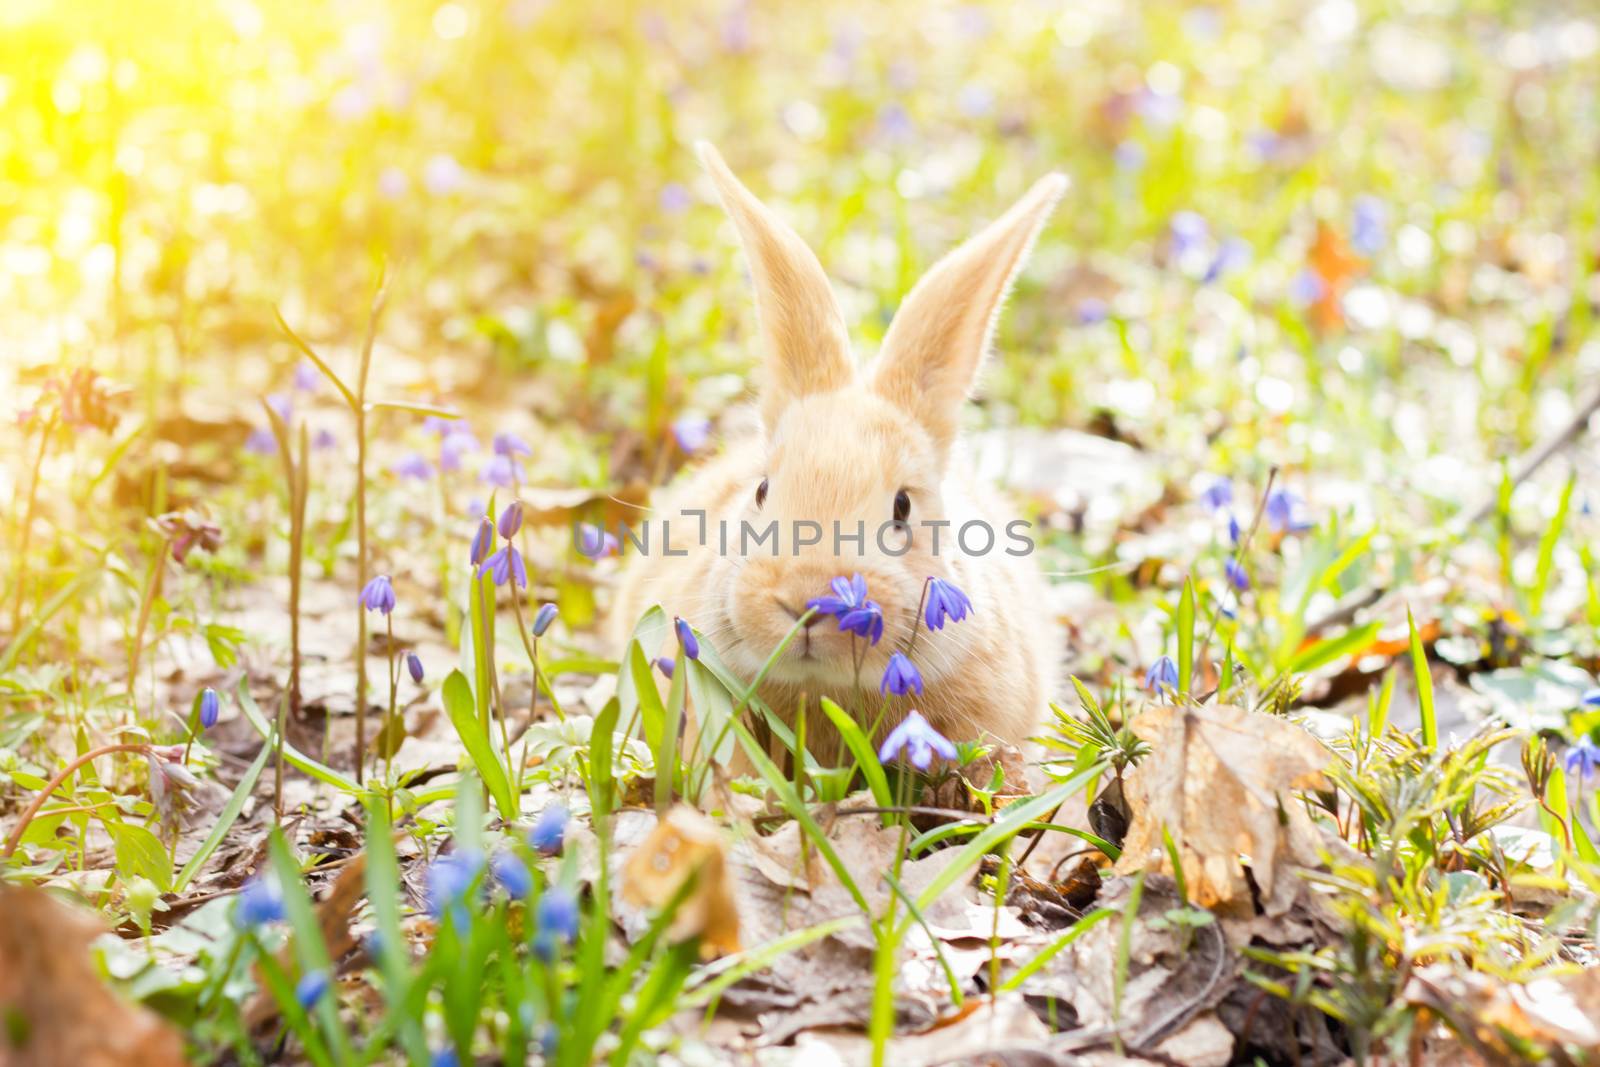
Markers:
point(1353, 244)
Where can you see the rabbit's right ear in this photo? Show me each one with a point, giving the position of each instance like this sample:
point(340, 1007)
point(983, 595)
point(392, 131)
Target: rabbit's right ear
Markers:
point(808, 347)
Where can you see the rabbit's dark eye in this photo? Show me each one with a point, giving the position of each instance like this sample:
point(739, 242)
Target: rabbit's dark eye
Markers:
point(902, 506)
point(761, 493)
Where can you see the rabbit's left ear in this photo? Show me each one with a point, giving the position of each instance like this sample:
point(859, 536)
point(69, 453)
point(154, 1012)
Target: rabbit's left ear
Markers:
point(938, 338)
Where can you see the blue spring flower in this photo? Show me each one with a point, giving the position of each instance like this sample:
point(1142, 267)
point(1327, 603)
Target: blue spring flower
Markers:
point(444, 1057)
point(595, 542)
point(666, 665)
point(509, 444)
point(1237, 576)
point(306, 376)
point(506, 565)
point(916, 738)
point(511, 874)
point(901, 676)
point(691, 433)
point(449, 879)
point(1217, 494)
point(378, 595)
point(1582, 759)
point(414, 667)
point(482, 541)
point(1163, 674)
point(511, 520)
point(550, 830)
point(849, 604)
point(686, 639)
point(546, 615)
point(502, 471)
point(557, 916)
point(1369, 225)
point(259, 902)
point(1591, 698)
point(312, 987)
point(1286, 512)
point(210, 708)
point(1092, 311)
point(945, 601)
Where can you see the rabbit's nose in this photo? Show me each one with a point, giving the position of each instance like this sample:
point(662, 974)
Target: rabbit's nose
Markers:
point(793, 614)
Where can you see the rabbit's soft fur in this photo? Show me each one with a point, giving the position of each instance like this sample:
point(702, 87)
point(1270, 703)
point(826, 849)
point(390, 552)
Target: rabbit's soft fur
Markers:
point(836, 444)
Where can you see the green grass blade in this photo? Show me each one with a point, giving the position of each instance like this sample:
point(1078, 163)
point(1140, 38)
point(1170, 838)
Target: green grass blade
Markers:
point(866, 759)
point(1547, 550)
point(225, 821)
point(383, 880)
point(460, 706)
point(1419, 665)
point(309, 948)
point(1326, 651)
point(1085, 923)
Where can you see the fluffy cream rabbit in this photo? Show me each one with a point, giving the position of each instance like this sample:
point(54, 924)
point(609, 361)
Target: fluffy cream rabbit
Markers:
point(861, 446)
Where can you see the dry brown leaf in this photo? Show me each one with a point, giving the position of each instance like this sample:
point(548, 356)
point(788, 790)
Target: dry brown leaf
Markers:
point(1214, 780)
point(686, 844)
point(53, 1006)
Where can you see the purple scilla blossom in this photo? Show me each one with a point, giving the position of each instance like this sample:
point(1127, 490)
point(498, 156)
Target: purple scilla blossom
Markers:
point(413, 467)
point(504, 472)
point(509, 444)
point(546, 615)
point(916, 739)
point(444, 1056)
point(438, 424)
point(865, 621)
point(945, 601)
point(550, 830)
point(666, 665)
point(312, 987)
point(482, 542)
point(414, 667)
point(449, 879)
point(1582, 759)
point(595, 542)
point(674, 198)
point(1286, 512)
point(691, 433)
point(1217, 494)
point(975, 101)
point(1307, 287)
point(261, 442)
point(324, 439)
point(1590, 698)
point(1238, 577)
point(453, 446)
point(900, 676)
point(1189, 232)
point(506, 565)
point(1234, 533)
point(260, 902)
point(306, 376)
point(1369, 225)
point(210, 708)
point(282, 404)
point(1234, 254)
point(848, 593)
point(378, 595)
point(686, 639)
point(1163, 674)
point(511, 874)
point(511, 520)
point(558, 913)
point(1092, 311)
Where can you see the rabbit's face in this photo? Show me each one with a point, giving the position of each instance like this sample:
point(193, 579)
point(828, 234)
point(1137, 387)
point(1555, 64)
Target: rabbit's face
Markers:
point(841, 470)
point(847, 453)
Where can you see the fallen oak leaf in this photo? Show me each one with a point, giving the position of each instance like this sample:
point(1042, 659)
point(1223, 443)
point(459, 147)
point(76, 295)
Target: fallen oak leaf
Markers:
point(1214, 780)
point(685, 844)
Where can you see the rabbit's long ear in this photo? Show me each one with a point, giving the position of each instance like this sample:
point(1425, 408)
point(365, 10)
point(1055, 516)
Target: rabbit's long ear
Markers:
point(808, 347)
point(940, 334)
